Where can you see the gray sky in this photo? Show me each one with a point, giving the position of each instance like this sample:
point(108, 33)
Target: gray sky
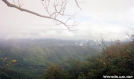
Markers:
point(113, 19)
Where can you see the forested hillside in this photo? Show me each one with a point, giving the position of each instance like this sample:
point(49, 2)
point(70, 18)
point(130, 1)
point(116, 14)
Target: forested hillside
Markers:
point(115, 61)
point(66, 61)
point(34, 56)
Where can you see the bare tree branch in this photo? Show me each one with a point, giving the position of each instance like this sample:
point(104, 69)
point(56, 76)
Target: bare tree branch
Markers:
point(77, 3)
point(59, 9)
point(22, 9)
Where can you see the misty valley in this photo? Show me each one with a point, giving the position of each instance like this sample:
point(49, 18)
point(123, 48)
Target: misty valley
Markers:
point(66, 39)
point(64, 59)
point(34, 56)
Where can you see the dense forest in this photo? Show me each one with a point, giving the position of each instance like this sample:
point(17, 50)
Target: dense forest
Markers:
point(60, 59)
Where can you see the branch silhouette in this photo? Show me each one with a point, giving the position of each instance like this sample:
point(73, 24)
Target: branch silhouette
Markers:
point(53, 16)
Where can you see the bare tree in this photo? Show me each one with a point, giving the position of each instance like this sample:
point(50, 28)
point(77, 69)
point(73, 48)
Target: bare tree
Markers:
point(59, 7)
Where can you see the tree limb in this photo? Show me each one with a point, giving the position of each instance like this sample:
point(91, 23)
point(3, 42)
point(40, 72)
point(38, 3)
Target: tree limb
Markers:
point(52, 16)
point(77, 4)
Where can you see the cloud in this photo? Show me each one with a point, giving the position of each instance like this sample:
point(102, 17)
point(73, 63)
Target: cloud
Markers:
point(112, 19)
point(92, 30)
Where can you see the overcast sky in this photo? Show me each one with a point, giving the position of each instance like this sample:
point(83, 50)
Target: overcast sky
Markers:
point(113, 19)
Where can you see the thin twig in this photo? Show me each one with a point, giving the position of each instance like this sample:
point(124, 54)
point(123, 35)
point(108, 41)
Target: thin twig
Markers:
point(56, 13)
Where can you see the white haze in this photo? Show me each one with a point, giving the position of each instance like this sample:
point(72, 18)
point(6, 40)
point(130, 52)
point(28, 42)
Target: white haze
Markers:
point(112, 19)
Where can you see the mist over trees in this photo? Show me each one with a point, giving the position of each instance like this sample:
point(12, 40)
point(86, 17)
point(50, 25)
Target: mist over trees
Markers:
point(63, 59)
point(67, 62)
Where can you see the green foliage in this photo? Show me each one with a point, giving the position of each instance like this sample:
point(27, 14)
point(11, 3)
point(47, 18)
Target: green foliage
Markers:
point(117, 59)
point(33, 60)
point(73, 66)
point(55, 72)
point(9, 74)
point(3, 74)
